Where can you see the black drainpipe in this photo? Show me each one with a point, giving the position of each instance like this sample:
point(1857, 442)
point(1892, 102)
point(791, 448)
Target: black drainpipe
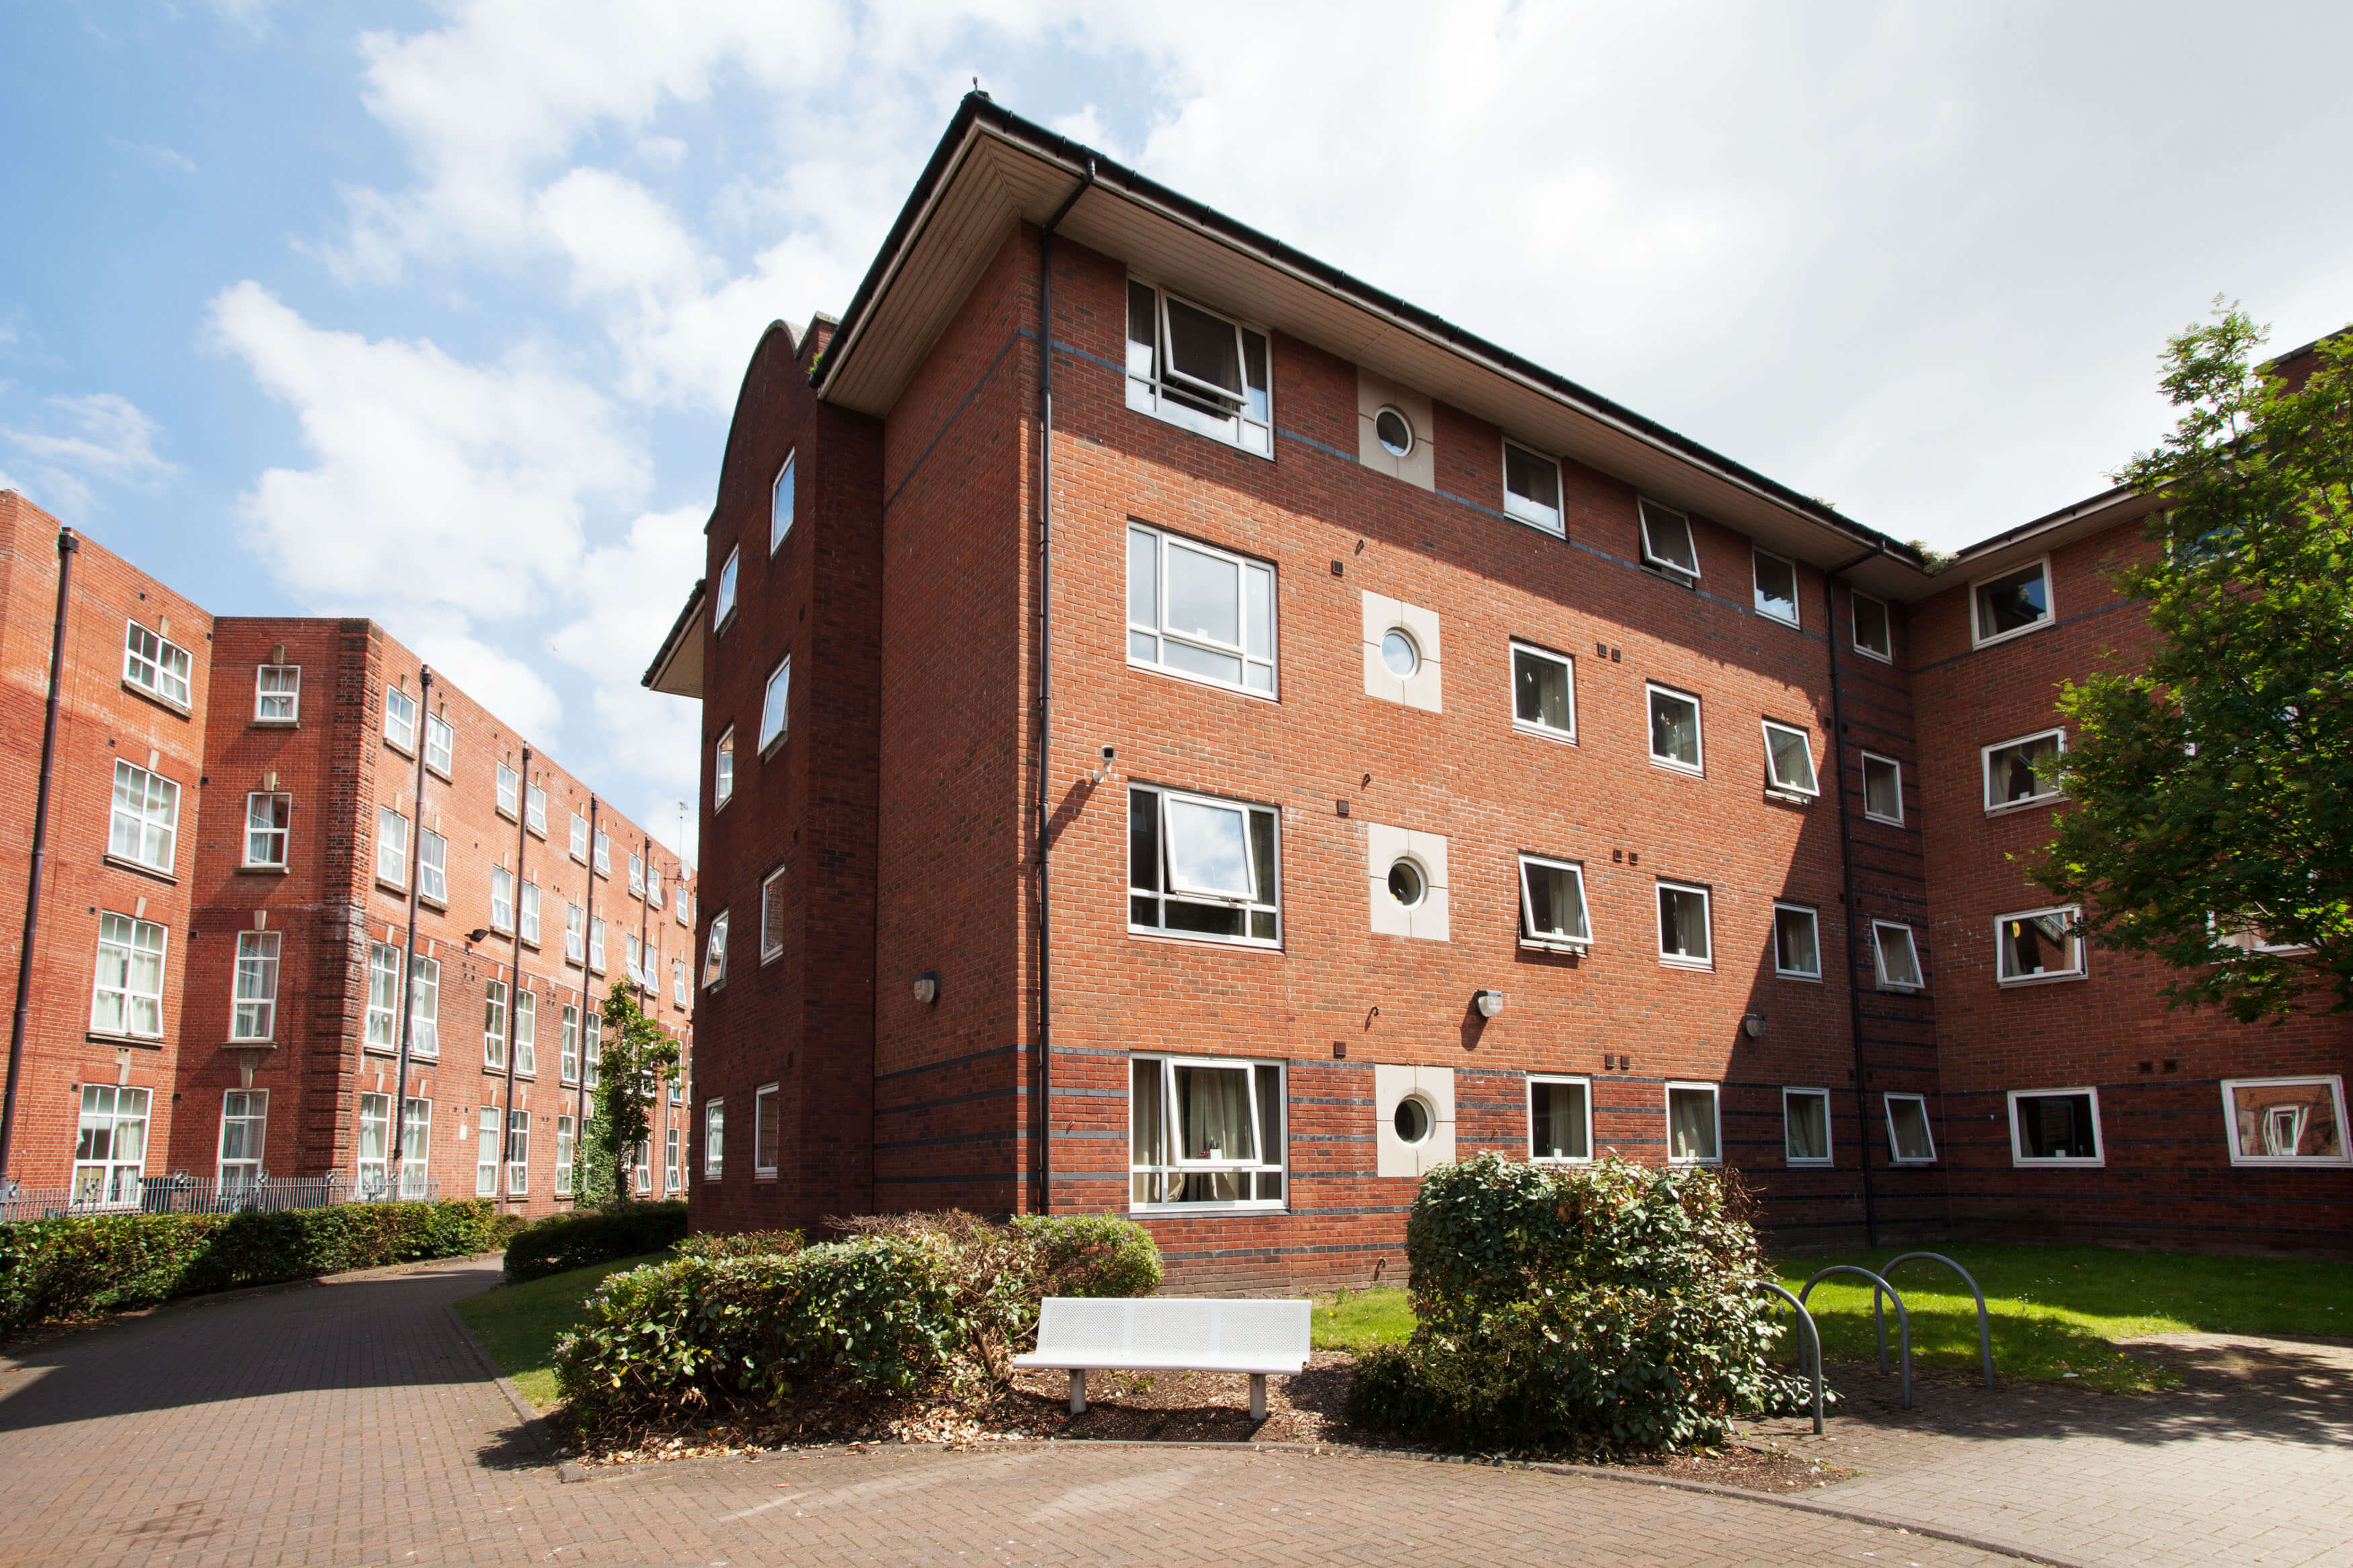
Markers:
point(1854, 920)
point(514, 993)
point(67, 545)
point(408, 964)
point(580, 1077)
point(1044, 1120)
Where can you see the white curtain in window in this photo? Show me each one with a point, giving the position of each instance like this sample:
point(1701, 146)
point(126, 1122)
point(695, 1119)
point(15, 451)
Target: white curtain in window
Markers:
point(1690, 1124)
point(1213, 1114)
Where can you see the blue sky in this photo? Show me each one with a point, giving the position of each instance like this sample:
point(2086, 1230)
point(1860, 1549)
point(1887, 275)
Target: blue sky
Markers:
point(434, 312)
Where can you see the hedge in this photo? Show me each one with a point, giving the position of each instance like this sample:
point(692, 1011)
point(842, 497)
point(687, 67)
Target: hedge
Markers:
point(81, 1266)
point(575, 1240)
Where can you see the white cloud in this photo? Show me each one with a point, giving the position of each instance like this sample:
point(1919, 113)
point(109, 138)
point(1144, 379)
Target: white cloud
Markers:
point(97, 437)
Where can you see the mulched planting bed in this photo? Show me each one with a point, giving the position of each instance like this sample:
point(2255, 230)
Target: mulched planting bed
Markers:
point(1160, 1406)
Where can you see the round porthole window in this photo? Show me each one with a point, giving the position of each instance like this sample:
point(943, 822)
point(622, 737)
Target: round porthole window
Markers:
point(1413, 1120)
point(1394, 431)
point(1407, 884)
point(1398, 652)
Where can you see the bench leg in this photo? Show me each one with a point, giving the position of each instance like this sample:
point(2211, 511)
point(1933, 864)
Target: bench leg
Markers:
point(1078, 1390)
point(1257, 1396)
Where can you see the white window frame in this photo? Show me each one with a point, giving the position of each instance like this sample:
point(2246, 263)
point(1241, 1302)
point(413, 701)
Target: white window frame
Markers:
point(381, 1026)
point(636, 875)
point(767, 1100)
point(1158, 630)
point(494, 1024)
point(440, 744)
point(534, 809)
point(1823, 1161)
point(1879, 959)
point(502, 899)
point(2018, 1156)
point(1252, 906)
point(287, 689)
point(1977, 638)
point(1149, 385)
point(107, 1179)
point(565, 1154)
point(780, 516)
point(575, 933)
point(1813, 918)
point(653, 884)
point(1797, 616)
point(432, 868)
point(1529, 935)
point(2079, 947)
point(714, 954)
point(1868, 759)
point(156, 665)
point(1773, 780)
point(603, 853)
point(678, 982)
point(1512, 696)
point(1528, 1104)
point(714, 1137)
point(1984, 772)
point(275, 840)
point(1526, 509)
point(526, 1032)
point(772, 931)
point(400, 714)
point(527, 915)
point(423, 1007)
point(1707, 919)
point(685, 901)
point(578, 845)
point(1927, 1127)
point(253, 996)
point(393, 874)
point(672, 1177)
point(154, 819)
point(490, 1143)
point(1674, 571)
point(1651, 690)
point(415, 1146)
point(374, 1131)
point(518, 1153)
point(633, 957)
point(1887, 623)
point(775, 705)
point(510, 793)
point(1173, 1165)
point(1667, 1107)
point(723, 768)
point(722, 602)
point(597, 945)
point(252, 1163)
point(592, 1049)
point(2238, 1156)
point(135, 940)
point(567, 1048)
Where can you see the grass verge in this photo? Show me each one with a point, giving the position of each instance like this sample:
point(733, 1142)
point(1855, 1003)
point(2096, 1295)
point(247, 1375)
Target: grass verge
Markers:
point(519, 1324)
point(1359, 1319)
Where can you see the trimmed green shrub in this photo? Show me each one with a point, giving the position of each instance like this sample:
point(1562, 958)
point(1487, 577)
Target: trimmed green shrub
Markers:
point(1590, 1309)
point(575, 1240)
point(718, 1244)
point(80, 1266)
point(1090, 1255)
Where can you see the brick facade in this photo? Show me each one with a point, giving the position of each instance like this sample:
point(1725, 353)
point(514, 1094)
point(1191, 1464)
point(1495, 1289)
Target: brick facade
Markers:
point(325, 904)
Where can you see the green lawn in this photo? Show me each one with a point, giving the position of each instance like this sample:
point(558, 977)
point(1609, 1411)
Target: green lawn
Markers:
point(2053, 1310)
point(519, 1324)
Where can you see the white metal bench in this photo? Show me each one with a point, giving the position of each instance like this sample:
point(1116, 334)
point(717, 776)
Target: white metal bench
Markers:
point(1263, 1338)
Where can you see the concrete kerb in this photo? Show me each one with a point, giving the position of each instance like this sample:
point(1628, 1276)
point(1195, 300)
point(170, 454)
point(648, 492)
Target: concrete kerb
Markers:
point(573, 1470)
point(533, 1424)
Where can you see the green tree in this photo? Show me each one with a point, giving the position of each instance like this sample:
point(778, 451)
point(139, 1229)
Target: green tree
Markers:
point(2210, 824)
point(636, 1055)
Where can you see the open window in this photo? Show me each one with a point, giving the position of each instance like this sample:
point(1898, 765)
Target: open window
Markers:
point(1909, 1140)
point(1193, 367)
point(1883, 789)
point(1874, 636)
point(1675, 730)
point(1544, 692)
point(1532, 489)
point(1552, 904)
point(780, 505)
point(1206, 1131)
point(2055, 1127)
point(1806, 1126)
point(773, 705)
point(1667, 545)
point(2017, 773)
point(156, 665)
point(2011, 604)
point(1895, 956)
point(714, 954)
point(1201, 867)
point(1777, 588)
point(1200, 611)
point(1796, 943)
point(2286, 1121)
point(1789, 761)
point(1560, 1117)
point(722, 602)
point(2039, 945)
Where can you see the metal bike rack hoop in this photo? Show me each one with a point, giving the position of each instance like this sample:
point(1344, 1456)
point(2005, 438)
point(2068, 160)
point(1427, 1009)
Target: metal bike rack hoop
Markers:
point(1813, 1339)
point(1902, 1318)
point(1985, 1330)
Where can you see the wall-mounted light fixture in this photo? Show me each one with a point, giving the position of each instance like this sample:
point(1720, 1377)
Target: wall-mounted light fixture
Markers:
point(927, 986)
point(1752, 1025)
point(1102, 770)
point(1489, 1003)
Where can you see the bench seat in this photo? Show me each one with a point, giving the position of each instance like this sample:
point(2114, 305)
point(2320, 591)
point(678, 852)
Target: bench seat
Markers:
point(1261, 1339)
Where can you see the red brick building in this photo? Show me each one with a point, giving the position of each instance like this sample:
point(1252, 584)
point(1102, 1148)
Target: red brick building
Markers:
point(1344, 745)
point(233, 831)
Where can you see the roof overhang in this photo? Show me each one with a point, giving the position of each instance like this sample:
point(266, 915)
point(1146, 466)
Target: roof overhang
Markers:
point(677, 669)
point(993, 170)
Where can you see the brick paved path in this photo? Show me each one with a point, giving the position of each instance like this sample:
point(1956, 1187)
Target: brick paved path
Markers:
point(351, 1424)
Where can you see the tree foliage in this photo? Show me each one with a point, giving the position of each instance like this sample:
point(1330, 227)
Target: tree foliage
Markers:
point(636, 1058)
point(2210, 822)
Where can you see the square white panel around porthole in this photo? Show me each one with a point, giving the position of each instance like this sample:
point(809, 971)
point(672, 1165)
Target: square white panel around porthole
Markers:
point(1410, 423)
point(1405, 882)
point(1414, 1119)
point(1403, 659)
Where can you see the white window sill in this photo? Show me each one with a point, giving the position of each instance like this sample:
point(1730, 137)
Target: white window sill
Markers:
point(277, 723)
point(1538, 732)
point(1251, 1205)
point(2006, 807)
point(1885, 658)
point(1798, 1164)
point(2020, 982)
point(1894, 990)
point(264, 870)
point(409, 752)
point(1560, 1159)
point(1791, 622)
point(2024, 1160)
point(1901, 1160)
point(2279, 1160)
point(1692, 965)
point(1686, 769)
point(106, 1037)
point(1243, 436)
point(159, 699)
point(1191, 939)
point(1977, 642)
point(1540, 945)
point(1685, 1164)
point(1675, 575)
point(1549, 522)
point(1797, 974)
point(1882, 821)
point(1789, 796)
point(438, 771)
point(141, 869)
point(1210, 681)
point(394, 889)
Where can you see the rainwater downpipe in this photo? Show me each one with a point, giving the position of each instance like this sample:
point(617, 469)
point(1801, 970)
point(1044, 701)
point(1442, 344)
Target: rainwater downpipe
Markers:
point(515, 994)
point(1044, 1120)
point(408, 964)
point(1854, 920)
point(580, 1077)
point(67, 547)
